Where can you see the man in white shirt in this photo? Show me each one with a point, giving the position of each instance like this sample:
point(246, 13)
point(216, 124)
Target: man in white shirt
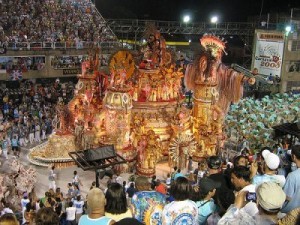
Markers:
point(78, 203)
point(71, 214)
point(51, 178)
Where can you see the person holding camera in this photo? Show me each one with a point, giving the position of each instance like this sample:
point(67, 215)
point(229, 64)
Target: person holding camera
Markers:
point(269, 199)
point(240, 178)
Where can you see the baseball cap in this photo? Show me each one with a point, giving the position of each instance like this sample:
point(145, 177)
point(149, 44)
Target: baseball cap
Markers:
point(271, 159)
point(270, 196)
point(206, 185)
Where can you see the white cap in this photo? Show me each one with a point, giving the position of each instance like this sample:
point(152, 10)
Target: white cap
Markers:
point(272, 161)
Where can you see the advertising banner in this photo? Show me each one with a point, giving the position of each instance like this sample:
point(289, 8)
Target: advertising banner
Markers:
point(269, 53)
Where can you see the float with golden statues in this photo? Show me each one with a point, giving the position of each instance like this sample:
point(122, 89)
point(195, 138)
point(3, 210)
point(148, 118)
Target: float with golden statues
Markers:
point(142, 113)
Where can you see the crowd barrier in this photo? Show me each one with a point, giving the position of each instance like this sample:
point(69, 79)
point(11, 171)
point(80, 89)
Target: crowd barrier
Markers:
point(35, 46)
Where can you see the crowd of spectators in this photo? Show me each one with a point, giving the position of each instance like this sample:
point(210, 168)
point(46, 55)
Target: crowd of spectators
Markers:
point(22, 63)
point(67, 62)
point(243, 191)
point(27, 113)
point(50, 21)
point(248, 189)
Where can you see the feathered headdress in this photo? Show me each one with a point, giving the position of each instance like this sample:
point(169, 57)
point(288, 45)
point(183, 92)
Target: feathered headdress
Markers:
point(213, 44)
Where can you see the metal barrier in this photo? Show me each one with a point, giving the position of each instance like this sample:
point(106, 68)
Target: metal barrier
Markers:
point(36, 46)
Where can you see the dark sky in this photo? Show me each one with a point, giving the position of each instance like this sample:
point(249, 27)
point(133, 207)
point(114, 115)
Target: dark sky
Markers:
point(200, 10)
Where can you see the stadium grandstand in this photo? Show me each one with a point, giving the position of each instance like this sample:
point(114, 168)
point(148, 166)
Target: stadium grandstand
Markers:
point(45, 38)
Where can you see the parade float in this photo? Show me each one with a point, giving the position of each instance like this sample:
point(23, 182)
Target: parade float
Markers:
point(16, 179)
point(142, 113)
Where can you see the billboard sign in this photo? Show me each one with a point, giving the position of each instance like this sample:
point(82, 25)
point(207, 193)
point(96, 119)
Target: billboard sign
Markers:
point(269, 53)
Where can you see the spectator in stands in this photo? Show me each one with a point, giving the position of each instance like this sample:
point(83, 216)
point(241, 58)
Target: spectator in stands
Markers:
point(116, 203)
point(146, 201)
point(292, 185)
point(181, 210)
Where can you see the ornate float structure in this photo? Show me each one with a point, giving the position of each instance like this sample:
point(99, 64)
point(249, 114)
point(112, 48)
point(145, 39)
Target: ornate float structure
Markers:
point(142, 113)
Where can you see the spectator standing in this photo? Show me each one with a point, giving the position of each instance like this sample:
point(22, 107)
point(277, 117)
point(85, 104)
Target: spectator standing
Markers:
point(147, 202)
point(37, 132)
point(161, 187)
point(116, 206)
point(15, 146)
point(76, 179)
point(71, 214)
point(95, 204)
point(181, 210)
point(52, 178)
point(78, 203)
point(4, 147)
point(6, 209)
point(270, 198)
point(31, 133)
point(131, 190)
point(8, 219)
point(206, 205)
point(269, 168)
point(292, 185)
point(46, 216)
point(178, 174)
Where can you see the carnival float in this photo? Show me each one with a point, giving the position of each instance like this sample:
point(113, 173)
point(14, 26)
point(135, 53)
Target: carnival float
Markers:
point(138, 108)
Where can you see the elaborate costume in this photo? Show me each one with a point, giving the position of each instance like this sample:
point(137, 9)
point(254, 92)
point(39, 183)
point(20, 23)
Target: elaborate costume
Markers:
point(215, 86)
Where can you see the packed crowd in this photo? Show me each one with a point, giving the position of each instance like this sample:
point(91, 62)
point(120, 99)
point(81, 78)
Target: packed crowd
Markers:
point(27, 114)
point(243, 191)
point(22, 63)
point(52, 21)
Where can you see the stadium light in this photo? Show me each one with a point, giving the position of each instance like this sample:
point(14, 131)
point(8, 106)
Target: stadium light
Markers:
point(186, 19)
point(214, 19)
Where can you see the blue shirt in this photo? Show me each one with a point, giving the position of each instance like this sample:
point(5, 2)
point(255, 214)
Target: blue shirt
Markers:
point(205, 208)
point(178, 175)
point(259, 179)
point(14, 142)
point(85, 220)
point(292, 190)
point(4, 144)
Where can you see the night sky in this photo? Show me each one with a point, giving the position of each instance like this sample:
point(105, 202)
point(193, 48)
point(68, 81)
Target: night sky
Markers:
point(200, 10)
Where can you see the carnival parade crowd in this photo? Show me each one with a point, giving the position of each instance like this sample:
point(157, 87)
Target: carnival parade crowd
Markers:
point(261, 188)
point(242, 191)
point(27, 113)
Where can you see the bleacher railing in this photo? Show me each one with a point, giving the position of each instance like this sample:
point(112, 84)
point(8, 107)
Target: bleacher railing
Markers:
point(36, 46)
